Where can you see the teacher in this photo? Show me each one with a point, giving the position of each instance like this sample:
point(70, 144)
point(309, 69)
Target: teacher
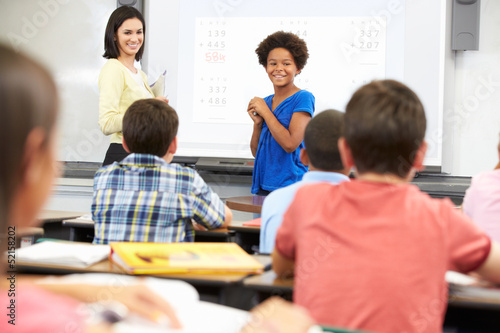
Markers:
point(120, 83)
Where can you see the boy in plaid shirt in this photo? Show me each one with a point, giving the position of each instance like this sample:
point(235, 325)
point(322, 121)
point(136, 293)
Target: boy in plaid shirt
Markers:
point(145, 198)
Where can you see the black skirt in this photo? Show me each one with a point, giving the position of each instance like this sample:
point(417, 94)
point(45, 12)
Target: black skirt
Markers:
point(115, 153)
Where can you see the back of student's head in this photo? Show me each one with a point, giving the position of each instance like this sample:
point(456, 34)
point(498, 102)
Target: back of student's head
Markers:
point(320, 139)
point(384, 126)
point(149, 127)
point(28, 101)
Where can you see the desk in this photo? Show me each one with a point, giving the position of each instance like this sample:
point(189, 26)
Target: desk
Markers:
point(51, 222)
point(48, 216)
point(27, 236)
point(221, 288)
point(471, 308)
point(239, 226)
point(82, 230)
point(248, 237)
point(251, 204)
point(267, 284)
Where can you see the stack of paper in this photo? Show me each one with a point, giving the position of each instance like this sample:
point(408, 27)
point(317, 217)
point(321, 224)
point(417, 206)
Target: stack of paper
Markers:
point(158, 87)
point(70, 254)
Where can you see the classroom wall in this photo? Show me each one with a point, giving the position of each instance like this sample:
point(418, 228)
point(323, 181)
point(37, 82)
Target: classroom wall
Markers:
point(67, 37)
point(475, 117)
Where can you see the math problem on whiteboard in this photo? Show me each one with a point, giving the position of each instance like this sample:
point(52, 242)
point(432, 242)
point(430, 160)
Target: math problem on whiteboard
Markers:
point(345, 52)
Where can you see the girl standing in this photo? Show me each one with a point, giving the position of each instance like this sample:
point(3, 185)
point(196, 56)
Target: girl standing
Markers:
point(280, 119)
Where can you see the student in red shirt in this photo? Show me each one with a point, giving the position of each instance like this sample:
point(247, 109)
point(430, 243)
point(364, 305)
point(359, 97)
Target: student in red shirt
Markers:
point(371, 254)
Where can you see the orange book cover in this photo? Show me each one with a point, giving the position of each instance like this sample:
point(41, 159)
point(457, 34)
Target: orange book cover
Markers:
point(162, 258)
point(254, 223)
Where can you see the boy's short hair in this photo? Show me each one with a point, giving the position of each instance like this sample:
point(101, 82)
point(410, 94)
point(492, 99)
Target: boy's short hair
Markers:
point(149, 126)
point(384, 125)
point(320, 139)
point(295, 45)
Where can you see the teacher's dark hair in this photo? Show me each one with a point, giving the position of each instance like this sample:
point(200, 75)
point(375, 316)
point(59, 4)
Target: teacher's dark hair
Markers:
point(120, 15)
point(28, 101)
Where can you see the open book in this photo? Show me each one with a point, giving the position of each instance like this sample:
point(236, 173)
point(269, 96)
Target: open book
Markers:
point(79, 255)
point(465, 287)
point(196, 316)
point(156, 258)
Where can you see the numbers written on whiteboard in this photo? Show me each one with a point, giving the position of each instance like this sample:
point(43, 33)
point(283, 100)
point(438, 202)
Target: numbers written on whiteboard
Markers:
point(368, 38)
point(216, 101)
point(368, 45)
point(216, 33)
point(215, 57)
point(216, 89)
point(215, 45)
point(369, 33)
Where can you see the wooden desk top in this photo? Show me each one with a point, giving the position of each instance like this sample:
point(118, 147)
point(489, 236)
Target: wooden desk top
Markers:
point(107, 266)
point(462, 296)
point(78, 223)
point(48, 216)
point(251, 204)
point(85, 223)
point(268, 281)
point(239, 227)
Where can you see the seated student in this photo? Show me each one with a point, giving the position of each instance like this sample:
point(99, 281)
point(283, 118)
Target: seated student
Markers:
point(482, 201)
point(145, 198)
point(322, 156)
point(28, 114)
point(372, 253)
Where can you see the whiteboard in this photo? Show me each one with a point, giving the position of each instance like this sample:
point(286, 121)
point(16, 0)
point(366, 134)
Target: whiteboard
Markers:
point(207, 48)
point(68, 38)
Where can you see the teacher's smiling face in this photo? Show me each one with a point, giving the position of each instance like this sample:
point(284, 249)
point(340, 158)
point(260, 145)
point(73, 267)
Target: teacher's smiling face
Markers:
point(129, 37)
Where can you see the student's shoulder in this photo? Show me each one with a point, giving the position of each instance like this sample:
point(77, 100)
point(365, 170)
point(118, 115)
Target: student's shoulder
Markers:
point(104, 175)
point(486, 178)
point(437, 209)
point(106, 169)
point(304, 94)
point(303, 100)
point(318, 191)
point(277, 196)
point(182, 171)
